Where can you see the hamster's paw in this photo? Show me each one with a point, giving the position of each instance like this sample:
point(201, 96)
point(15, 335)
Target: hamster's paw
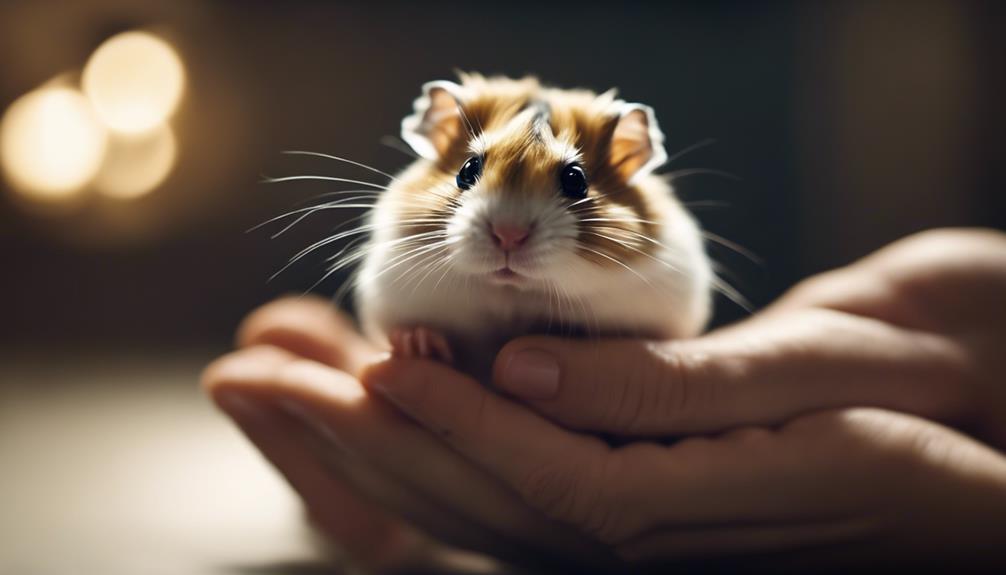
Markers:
point(419, 343)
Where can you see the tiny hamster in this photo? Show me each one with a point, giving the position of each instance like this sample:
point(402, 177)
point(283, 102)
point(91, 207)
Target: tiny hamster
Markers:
point(530, 210)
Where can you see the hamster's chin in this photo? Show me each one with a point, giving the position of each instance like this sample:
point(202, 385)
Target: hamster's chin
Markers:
point(511, 280)
point(505, 276)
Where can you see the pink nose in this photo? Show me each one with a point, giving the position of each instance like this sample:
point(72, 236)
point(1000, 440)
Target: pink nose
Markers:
point(508, 236)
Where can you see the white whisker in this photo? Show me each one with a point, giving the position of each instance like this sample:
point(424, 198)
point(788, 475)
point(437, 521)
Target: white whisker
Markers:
point(269, 180)
point(346, 160)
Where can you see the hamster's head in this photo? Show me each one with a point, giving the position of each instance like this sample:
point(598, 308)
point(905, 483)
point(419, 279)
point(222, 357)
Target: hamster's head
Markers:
point(535, 187)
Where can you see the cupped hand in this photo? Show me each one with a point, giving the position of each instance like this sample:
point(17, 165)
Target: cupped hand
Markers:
point(918, 327)
point(835, 488)
point(385, 490)
point(796, 463)
point(915, 328)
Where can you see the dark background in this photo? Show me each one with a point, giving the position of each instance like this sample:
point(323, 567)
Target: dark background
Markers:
point(848, 124)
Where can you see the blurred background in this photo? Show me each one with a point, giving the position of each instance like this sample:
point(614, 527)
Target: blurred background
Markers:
point(135, 135)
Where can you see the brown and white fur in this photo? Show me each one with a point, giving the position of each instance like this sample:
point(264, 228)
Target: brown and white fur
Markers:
point(626, 260)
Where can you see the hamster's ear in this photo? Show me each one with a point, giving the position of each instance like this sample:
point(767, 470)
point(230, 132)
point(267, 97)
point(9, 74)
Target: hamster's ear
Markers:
point(436, 121)
point(637, 144)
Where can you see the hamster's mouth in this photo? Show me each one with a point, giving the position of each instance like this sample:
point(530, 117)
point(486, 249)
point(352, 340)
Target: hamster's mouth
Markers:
point(506, 276)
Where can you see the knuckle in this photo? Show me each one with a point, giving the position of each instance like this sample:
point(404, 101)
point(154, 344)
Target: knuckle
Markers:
point(624, 411)
point(646, 397)
point(668, 394)
point(609, 518)
point(482, 418)
point(579, 495)
point(553, 490)
point(565, 492)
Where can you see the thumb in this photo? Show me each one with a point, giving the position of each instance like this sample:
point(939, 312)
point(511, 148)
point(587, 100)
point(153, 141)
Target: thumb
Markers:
point(760, 372)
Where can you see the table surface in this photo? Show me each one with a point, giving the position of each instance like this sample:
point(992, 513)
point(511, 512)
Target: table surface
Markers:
point(119, 465)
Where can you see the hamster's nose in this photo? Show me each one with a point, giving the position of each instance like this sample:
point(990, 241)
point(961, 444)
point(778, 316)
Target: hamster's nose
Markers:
point(509, 236)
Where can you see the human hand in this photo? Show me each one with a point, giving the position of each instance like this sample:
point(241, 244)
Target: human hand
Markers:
point(914, 327)
point(385, 490)
point(838, 488)
point(917, 327)
point(339, 498)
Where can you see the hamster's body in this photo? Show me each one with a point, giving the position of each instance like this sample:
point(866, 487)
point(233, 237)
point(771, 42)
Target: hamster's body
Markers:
point(531, 210)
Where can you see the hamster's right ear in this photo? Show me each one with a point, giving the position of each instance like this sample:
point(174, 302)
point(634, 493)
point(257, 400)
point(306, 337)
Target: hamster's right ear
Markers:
point(436, 121)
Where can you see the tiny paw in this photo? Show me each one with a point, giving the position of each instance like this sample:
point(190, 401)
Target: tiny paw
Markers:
point(419, 343)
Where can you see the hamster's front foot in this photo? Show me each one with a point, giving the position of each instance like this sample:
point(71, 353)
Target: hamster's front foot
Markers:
point(419, 343)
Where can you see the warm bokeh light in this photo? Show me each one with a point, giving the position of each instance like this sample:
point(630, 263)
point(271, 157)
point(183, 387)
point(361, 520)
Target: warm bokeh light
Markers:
point(51, 142)
point(135, 81)
point(135, 165)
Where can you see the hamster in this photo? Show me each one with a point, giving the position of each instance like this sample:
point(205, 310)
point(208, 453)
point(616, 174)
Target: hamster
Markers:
point(530, 210)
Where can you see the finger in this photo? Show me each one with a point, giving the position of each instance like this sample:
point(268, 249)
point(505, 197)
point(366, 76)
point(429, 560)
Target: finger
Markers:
point(664, 545)
point(345, 498)
point(747, 476)
point(920, 281)
point(761, 372)
point(310, 327)
point(561, 473)
point(365, 531)
point(442, 483)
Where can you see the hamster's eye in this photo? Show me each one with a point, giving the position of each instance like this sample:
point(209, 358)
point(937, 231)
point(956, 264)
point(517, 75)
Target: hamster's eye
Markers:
point(573, 181)
point(469, 173)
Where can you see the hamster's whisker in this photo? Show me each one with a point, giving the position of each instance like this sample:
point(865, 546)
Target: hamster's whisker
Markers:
point(731, 293)
point(346, 285)
point(304, 252)
point(449, 268)
point(645, 238)
point(622, 220)
point(585, 306)
point(687, 150)
point(331, 239)
point(665, 263)
point(340, 159)
point(361, 252)
point(586, 199)
point(567, 307)
point(468, 125)
point(368, 192)
point(624, 233)
point(615, 260)
point(352, 244)
point(440, 257)
point(345, 203)
point(408, 240)
point(549, 288)
point(327, 205)
point(354, 220)
point(412, 254)
point(733, 246)
point(419, 262)
point(719, 284)
point(683, 173)
point(399, 145)
point(440, 263)
point(706, 204)
point(623, 243)
point(323, 179)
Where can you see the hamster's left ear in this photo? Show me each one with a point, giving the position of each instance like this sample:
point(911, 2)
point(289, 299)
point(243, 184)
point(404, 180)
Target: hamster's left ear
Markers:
point(637, 144)
point(436, 122)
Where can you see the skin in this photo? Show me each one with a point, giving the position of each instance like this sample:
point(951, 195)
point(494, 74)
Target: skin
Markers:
point(859, 420)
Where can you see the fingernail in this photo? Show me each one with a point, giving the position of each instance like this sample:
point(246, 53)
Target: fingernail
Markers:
point(531, 374)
